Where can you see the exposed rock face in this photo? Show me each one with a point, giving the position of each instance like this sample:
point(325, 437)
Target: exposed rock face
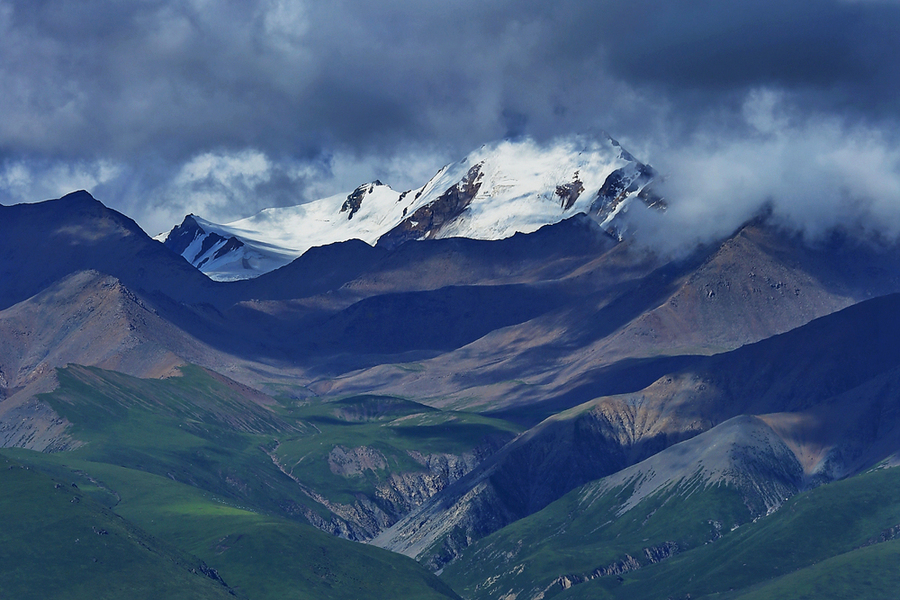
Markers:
point(359, 521)
point(651, 198)
point(618, 186)
point(182, 235)
point(570, 192)
point(604, 439)
point(212, 240)
point(891, 533)
point(355, 199)
point(394, 497)
point(425, 222)
point(33, 425)
point(626, 564)
point(349, 462)
point(404, 491)
point(660, 553)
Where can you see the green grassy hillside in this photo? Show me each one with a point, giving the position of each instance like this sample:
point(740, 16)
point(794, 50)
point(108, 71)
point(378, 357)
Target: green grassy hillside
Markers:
point(828, 522)
point(260, 556)
point(830, 542)
point(56, 542)
point(582, 532)
point(187, 459)
point(869, 572)
point(207, 431)
point(393, 429)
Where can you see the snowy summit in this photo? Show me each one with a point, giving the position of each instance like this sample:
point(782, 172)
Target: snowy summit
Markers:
point(497, 191)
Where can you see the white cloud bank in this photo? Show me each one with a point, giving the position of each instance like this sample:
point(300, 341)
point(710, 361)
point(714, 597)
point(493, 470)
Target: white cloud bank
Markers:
point(814, 173)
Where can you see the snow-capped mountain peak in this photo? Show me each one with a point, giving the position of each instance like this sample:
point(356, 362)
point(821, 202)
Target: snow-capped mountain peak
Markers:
point(501, 189)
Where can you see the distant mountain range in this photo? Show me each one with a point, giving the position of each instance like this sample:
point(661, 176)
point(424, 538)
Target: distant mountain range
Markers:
point(495, 192)
point(498, 384)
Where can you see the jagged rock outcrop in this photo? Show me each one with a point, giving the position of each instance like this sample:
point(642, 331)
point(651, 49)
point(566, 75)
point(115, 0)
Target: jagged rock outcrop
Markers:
point(626, 564)
point(348, 462)
point(569, 192)
point(426, 221)
point(198, 246)
point(619, 185)
point(355, 198)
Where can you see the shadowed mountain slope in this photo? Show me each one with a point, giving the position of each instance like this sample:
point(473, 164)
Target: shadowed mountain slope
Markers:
point(47, 241)
point(642, 515)
point(679, 524)
point(625, 310)
point(826, 388)
point(585, 302)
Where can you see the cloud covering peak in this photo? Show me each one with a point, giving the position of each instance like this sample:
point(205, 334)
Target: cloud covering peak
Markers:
point(812, 173)
point(164, 107)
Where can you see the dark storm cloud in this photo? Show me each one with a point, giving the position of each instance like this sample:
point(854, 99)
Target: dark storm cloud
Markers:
point(837, 55)
point(721, 44)
point(136, 99)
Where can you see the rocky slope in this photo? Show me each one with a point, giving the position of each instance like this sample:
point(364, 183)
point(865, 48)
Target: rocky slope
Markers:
point(824, 387)
point(46, 241)
point(742, 461)
point(630, 309)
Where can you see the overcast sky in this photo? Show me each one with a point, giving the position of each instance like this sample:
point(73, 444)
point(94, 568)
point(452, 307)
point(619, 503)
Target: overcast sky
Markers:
point(163, 107)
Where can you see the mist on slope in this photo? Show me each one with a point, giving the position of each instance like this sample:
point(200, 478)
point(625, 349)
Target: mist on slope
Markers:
point(811, 173)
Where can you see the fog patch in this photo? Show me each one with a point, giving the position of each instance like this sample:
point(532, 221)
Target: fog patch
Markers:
point(812, 173)
point(24, 181)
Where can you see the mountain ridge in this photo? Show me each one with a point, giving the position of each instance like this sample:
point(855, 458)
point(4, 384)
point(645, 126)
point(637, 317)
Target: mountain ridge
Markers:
point(497, 191)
